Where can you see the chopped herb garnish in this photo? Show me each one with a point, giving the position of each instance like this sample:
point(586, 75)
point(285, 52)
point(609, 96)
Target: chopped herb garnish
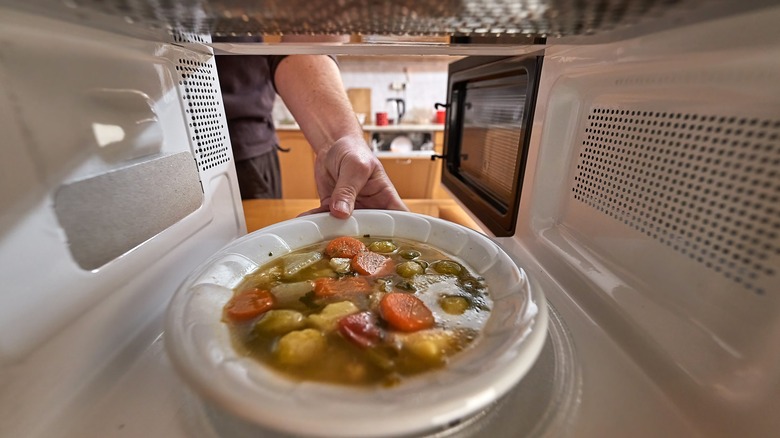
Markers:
point(309, 300)
point(472, 286)
point(406, 285)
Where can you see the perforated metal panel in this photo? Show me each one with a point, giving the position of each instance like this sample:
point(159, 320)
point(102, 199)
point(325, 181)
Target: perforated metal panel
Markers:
point(199, 88)
point(507, 18)
point(706, 185)
point(448, 17)
point(188, 37)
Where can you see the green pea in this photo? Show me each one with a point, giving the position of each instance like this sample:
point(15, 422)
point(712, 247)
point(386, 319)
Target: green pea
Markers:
point(454, 305)
point(409, 269)
point(382, 246)
point(409, 254)
point(447, 267)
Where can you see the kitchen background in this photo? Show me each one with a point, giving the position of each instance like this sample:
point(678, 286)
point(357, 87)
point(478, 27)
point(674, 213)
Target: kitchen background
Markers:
point(420, 80)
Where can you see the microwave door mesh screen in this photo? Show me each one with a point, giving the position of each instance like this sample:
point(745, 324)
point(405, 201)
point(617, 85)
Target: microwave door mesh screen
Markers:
point(492, 131)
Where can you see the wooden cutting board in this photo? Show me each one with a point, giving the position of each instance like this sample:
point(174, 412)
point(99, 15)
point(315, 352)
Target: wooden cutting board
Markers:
point(361, 100)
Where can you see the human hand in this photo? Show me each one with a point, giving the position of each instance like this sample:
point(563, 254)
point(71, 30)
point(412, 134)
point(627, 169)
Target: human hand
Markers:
point(349, 177)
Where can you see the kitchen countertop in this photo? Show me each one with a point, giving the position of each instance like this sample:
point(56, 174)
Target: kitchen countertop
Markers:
point(410, 127)
point(374, 128)
point(405, 155)
point(260, 213)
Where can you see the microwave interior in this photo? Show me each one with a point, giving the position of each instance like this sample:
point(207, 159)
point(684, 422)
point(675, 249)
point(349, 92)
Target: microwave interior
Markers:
point(626, 153)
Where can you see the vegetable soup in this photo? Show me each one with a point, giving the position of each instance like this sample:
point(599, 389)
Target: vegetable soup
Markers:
point(358, 311)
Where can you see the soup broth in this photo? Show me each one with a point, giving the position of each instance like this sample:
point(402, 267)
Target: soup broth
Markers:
point(358, 311)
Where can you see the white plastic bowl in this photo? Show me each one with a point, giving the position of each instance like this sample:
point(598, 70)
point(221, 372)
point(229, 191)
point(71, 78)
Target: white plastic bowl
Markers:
point(199, 343)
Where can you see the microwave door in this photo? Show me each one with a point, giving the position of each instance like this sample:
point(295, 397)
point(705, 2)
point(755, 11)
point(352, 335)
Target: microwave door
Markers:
point(487, 137)
point(491, 130)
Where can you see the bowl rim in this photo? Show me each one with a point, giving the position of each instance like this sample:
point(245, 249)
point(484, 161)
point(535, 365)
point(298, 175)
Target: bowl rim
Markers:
point(457, 401)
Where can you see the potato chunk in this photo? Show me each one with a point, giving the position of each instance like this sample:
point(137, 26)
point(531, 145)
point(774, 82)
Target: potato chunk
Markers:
point(330, 315)
point(300, 347)
point(279, 321)
point(431, 346)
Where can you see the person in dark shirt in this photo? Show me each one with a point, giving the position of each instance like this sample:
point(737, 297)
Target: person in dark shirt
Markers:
point(347, 173)
point(248, 94)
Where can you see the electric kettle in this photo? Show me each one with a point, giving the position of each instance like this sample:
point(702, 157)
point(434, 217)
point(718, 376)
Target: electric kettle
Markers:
point(396, 108)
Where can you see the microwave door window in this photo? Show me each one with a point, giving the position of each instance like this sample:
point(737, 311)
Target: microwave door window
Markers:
point(491, 133)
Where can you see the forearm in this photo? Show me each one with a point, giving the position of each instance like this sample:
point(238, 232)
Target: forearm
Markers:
point(311, 87)
point(348, 173)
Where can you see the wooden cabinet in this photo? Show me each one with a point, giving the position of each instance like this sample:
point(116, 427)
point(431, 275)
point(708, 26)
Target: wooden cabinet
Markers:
point(296, 162)
point(412, 177)
point(417, 177)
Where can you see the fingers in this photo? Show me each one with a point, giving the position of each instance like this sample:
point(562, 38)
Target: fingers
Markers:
point(363, 185)
point(344, 195)
point(341, 209)
point(352, 177)
point(354, 170)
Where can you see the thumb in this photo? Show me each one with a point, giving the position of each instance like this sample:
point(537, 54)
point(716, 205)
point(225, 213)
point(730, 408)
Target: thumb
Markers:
point(342, 201)
point(349, 183)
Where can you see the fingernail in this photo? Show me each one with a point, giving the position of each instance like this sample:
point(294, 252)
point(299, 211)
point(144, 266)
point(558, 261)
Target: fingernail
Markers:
point(342, 206)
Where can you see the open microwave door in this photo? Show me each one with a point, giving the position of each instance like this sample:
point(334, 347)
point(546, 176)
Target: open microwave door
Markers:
point(490, 108)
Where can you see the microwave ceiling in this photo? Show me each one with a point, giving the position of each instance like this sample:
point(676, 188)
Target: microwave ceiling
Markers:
point(385, 22)
point(529, 18)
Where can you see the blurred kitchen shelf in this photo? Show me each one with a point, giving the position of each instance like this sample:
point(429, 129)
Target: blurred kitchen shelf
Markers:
point(404, 155)
point(408, 127)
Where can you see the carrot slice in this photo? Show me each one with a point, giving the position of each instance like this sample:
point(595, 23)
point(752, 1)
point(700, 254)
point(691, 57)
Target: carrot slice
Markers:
point(371, 263)
point(345, 246)
point(249, 304)
point(405, 312)
point(331, 287)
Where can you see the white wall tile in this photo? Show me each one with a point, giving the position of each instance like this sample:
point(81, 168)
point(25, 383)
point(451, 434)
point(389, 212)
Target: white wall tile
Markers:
point(425, 78)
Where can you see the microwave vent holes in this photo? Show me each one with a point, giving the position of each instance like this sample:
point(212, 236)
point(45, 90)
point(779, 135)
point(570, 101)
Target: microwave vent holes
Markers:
point(202, 106)
point(707, 186)
point(518, 20)
point(189, 37)
point(474, 21)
